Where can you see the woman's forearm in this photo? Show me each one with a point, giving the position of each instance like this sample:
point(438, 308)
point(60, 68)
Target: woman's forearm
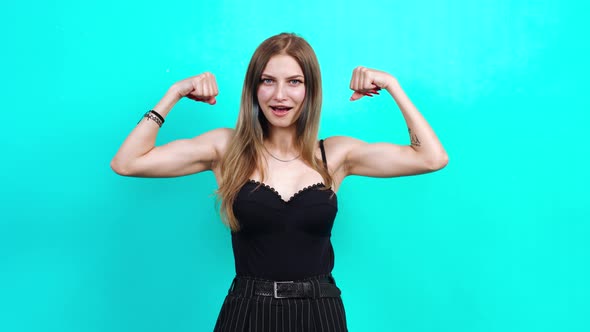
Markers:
point(143, 137)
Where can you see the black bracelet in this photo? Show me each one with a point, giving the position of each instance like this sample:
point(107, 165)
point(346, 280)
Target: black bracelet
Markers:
point(158, 115)
point(153, 115)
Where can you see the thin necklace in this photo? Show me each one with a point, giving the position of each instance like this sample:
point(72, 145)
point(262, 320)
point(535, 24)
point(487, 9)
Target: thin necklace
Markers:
point(283, 160)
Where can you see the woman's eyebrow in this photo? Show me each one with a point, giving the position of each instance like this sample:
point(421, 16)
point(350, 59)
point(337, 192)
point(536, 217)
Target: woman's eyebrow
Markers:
point(290, 77)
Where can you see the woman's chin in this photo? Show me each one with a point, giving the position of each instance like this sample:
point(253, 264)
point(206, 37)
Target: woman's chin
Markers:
point(277, 124)
point(285, 120)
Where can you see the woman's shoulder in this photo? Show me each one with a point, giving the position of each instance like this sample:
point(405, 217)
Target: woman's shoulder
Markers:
point(218, 139)
point(340, 143)
point(223, 134)
point(337, 147)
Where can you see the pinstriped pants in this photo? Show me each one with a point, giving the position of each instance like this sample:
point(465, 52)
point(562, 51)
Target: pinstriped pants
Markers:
point(255, 313)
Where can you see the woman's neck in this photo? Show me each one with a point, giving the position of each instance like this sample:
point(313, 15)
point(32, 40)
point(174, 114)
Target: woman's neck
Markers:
point(281, 141)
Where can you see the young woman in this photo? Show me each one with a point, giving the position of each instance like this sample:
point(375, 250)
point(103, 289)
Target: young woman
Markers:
point(278, 183)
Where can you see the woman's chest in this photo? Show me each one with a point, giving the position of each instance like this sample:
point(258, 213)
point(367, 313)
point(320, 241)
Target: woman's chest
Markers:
point(260, 209)
point(287, 179)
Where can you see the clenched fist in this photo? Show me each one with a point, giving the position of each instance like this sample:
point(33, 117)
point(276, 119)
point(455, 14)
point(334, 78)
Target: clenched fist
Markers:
point(202, 87)
point(366, 82)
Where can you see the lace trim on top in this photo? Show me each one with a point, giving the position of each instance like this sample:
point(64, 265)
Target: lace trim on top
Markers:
point(262, 184)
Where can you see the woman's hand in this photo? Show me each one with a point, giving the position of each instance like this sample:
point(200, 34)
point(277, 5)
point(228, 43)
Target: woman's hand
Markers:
point(202, 87)
point(366, 82)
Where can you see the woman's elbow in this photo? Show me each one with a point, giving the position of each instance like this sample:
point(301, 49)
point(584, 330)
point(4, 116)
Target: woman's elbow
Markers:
point(438, 162)
point(117, 168)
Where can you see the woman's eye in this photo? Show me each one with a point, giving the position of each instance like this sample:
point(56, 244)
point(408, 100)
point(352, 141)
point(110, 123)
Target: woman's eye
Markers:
point(295, 82)
point(266, 81)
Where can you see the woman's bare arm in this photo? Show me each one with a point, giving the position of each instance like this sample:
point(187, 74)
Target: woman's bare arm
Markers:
point(425, 152)
point(138, 156)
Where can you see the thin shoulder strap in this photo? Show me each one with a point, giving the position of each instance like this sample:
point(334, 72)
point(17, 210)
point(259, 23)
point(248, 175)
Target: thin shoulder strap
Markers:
point(323, 153)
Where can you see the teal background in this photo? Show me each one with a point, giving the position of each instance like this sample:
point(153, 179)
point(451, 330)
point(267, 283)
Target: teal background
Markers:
point(497, 241)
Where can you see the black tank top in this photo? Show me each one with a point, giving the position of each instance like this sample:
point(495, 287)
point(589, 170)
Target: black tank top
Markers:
point(284, 240)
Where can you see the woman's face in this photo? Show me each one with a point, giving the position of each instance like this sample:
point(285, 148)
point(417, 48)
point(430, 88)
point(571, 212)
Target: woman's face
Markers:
point(281, 91)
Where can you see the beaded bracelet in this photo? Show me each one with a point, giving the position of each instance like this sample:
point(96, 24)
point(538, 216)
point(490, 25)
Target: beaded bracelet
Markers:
point(158, 115)
point(153, 115)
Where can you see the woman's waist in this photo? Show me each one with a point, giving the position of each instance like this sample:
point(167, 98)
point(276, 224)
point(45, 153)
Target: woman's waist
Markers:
point(315, 286)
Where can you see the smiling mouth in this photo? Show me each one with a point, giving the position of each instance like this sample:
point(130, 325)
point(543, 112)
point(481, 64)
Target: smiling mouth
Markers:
point(280, 111)
point(281, 108)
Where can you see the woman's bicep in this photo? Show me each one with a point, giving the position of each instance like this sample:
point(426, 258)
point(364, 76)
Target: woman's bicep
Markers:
point(181, 157)
point(383, 160)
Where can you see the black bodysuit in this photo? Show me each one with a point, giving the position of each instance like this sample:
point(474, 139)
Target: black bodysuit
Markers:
point(284, 240)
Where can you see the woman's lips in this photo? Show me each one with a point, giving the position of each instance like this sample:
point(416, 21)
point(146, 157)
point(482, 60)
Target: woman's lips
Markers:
point(280, 111)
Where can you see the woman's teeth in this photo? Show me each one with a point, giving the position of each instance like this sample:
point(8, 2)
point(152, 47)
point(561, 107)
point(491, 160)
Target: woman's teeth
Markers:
point(280, 109)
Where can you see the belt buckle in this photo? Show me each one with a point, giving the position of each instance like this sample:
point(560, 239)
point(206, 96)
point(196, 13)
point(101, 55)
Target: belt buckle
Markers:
point(276, 296)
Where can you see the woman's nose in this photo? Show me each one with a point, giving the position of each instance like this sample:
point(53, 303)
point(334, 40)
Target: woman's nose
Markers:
point(279, 92)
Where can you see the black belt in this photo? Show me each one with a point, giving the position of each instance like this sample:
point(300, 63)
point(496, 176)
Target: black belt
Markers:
point(324, 287)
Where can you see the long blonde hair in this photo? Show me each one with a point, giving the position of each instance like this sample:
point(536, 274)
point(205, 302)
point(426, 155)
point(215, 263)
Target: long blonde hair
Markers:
point(242, 155)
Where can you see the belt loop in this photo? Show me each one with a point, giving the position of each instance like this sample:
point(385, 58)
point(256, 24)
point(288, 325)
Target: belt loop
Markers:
point(249, 291)
point(315, 284)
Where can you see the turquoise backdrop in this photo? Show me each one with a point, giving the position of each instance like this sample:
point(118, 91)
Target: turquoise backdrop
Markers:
point(495, 242)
